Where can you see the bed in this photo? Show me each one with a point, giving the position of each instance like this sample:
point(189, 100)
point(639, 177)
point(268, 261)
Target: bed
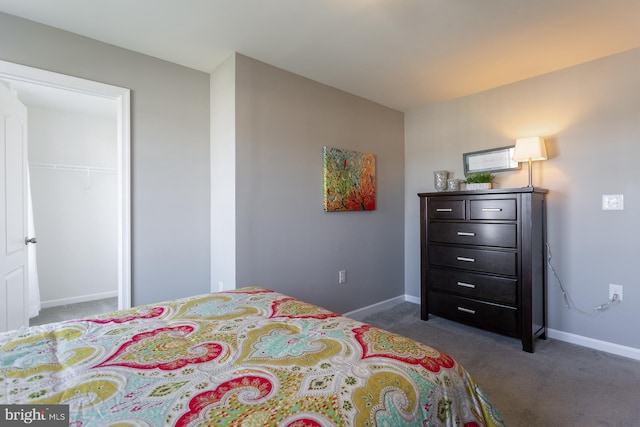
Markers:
point(248, 357)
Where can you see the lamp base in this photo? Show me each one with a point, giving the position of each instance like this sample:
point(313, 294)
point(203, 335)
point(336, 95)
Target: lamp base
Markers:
point(530, 182)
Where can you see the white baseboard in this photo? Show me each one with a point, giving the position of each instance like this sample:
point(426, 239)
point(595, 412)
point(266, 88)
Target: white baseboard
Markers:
point(365, 311)
point(74, 300)
point(620, 350)
point(411, 298)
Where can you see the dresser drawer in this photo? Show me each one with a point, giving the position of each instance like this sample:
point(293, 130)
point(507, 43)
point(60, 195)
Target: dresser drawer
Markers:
point(477, 313)
point(501, 235)
point(446, 209)
point(484, 260)
point(480, 286)
point(500, 209)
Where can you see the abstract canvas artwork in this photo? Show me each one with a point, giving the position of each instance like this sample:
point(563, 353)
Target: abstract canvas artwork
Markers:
point(349, 180)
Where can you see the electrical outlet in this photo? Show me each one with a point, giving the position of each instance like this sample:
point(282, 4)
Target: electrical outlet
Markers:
point(615, 289)
point(612, 202)
point(342, 276)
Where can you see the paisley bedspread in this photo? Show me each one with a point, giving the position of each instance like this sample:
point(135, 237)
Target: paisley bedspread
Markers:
point(249, 357)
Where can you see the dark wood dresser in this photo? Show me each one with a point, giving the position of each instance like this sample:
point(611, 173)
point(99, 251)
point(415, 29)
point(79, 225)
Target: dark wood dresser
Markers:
point(483, 259)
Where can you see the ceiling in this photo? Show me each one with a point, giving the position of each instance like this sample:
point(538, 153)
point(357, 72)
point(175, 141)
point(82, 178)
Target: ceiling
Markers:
point(403, 54)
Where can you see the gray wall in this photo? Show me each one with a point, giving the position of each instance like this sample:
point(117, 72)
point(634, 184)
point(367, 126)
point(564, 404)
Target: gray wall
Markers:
point(169, 144)
point(590, 115)
point(284, 239)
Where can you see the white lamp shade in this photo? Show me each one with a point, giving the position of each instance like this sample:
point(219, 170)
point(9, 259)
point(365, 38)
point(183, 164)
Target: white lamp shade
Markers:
point(532, 148)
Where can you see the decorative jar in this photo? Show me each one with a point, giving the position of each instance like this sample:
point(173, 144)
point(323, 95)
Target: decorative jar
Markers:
point(453, 184)
point(440, 180)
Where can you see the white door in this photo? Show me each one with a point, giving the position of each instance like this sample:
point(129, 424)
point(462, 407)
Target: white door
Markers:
point(13, 205)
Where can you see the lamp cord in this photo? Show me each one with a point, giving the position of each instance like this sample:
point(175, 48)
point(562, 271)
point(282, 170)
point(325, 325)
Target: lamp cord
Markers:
point(568, 302)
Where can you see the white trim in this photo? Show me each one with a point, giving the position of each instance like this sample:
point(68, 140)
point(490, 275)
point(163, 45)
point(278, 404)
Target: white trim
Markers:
point(124, 201)
point(609, 347)
point(365, 311)
point(22, 73)
point(121, 96)
point(75, 300)
point(411, 298)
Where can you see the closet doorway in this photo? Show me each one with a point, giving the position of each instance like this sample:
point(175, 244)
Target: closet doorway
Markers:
point(78, 138)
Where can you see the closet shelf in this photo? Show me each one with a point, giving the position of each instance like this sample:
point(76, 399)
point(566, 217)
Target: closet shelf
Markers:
point(74, 168)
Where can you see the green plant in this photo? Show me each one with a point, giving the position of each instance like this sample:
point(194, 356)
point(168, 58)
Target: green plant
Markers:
point(480, 177)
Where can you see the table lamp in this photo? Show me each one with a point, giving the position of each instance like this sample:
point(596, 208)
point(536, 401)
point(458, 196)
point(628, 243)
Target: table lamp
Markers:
point(530, 149)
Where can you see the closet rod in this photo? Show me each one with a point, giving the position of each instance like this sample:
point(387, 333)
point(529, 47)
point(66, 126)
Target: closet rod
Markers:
point(73, 168)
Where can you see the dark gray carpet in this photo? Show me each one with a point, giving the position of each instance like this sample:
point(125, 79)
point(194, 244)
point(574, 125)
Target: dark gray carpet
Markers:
point(74, 311)
point(560, 384)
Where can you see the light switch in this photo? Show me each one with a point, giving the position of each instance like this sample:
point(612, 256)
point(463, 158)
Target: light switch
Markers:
point(612, 202)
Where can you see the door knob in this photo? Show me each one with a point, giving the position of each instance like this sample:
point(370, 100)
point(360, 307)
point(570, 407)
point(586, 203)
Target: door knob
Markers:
point(30, 240)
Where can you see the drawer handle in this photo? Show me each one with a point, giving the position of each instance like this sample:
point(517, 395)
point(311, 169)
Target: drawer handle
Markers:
point(466, 310)
point(466, 285)
point(465, 233)
point(465, 259)
point(491, 209)
point(444, 210)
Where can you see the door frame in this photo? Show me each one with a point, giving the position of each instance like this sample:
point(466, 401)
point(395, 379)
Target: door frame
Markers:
point(122, 97)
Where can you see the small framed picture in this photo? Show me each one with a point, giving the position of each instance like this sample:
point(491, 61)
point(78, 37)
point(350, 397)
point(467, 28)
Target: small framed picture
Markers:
point(493, 160)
